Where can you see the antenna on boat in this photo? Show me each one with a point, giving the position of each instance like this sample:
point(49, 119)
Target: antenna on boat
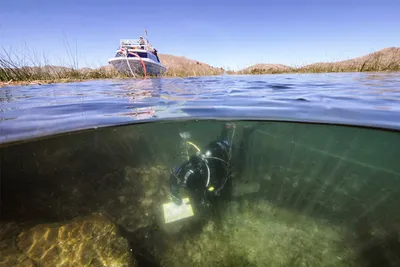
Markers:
point(147, 38)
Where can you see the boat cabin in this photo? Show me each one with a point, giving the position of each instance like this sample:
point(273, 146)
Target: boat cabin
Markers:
point(143, 51)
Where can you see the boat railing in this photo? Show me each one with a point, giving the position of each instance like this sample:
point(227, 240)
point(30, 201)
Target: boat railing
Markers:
point(127, 42)
point(134, 44)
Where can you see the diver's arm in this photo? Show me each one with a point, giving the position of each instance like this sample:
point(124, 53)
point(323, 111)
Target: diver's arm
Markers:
point(174, 188)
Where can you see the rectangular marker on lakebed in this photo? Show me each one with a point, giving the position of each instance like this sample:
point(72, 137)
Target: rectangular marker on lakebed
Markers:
point(174, 212)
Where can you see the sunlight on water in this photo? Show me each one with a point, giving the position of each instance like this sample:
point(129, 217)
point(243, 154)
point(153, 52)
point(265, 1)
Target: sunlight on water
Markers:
point(296, 194)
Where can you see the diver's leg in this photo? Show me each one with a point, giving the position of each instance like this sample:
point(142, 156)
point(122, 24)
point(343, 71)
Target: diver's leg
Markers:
point(244, 145)
point(226, 131)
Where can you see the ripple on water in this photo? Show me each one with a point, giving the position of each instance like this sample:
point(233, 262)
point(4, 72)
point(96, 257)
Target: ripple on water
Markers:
point(354, 98)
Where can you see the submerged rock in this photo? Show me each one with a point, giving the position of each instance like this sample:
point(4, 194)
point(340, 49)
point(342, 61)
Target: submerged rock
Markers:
point(86, 241)
point(10, 255)
point(140, 200)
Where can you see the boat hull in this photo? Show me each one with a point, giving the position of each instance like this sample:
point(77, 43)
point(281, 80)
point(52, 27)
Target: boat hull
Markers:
point(135, 65)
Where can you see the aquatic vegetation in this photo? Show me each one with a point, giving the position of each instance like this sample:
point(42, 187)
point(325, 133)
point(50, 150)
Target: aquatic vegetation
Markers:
point(258, 233)
point(13, 71)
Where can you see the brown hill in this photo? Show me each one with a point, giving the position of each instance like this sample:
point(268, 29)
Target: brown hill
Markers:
point(387, 59)
point(49, 69)
point(181, 66)
point(266, 68)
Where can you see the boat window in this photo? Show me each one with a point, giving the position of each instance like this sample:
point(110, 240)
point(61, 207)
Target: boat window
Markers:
point(140, 54)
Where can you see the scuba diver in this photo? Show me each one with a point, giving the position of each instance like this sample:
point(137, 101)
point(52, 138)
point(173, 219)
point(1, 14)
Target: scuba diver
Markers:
point(205, 174)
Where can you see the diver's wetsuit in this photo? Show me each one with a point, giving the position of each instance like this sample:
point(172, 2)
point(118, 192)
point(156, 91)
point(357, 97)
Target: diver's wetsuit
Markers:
point(204, 175)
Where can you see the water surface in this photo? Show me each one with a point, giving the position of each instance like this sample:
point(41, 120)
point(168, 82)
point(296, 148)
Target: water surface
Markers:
point(348, 98)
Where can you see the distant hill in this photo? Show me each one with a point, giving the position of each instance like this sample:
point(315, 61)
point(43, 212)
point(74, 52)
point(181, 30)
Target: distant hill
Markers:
point(387, 59)
point(182, 66)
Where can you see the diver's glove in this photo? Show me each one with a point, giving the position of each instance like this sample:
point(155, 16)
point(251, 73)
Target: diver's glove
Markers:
point(175, 195)
point(176, 200)
point(174, 187)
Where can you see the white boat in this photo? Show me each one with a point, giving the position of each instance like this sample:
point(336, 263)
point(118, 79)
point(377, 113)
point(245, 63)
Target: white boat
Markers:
point(134, 57)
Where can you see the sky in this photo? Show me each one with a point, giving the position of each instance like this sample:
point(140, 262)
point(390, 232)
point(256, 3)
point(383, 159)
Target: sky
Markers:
point(229, 34)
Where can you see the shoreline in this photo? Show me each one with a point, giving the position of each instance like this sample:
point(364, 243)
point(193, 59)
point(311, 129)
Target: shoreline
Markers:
point(71, 80)
point(12, 73)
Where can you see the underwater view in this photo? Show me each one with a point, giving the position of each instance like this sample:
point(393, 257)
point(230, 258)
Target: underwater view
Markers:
point(203, 193)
